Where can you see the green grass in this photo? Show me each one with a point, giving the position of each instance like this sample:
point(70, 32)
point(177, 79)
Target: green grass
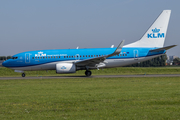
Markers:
point(91, 98)
point(4, 72)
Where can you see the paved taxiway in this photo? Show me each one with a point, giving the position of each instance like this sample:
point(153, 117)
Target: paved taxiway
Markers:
point(95, 76)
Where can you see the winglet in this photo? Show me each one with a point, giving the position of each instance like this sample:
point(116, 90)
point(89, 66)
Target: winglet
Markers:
point(118, 49)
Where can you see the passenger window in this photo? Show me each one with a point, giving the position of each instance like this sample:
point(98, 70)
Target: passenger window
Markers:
point(59, 57)
point(125, 54)
point(88, 55)
point(56, 56)
point(35, 57)
point(91, 55)
point(48, 57)
point(43, 57)
point(83, 55)
point(96, 55)
point(38, 57)
point(32, 57)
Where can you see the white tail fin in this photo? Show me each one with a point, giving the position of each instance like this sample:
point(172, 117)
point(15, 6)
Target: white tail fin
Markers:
point(156, 34)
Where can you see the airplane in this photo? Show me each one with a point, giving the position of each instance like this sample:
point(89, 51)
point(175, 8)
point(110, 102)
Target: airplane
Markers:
point(64, 61)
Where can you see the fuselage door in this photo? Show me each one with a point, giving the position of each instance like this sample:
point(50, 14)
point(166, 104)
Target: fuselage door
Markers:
point(27, 58)
point(135, 54)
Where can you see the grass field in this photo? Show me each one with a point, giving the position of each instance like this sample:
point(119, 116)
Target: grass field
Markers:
point(91, 98)
point(4, 72)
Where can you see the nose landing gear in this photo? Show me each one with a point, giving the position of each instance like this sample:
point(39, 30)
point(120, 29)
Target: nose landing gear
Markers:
point(23, 74)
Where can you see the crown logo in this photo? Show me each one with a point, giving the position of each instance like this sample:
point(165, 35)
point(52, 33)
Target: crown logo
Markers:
point(63, 67)
point(155, 30)
point(40, 52)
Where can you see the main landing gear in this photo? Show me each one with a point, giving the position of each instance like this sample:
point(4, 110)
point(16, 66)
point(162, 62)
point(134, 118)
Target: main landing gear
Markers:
point(88, 73)
point(23, 74)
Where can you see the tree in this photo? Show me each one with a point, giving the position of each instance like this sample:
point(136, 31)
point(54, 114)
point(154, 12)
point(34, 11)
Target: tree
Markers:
point(176, 61)
point(8, 57)
point(2, 57)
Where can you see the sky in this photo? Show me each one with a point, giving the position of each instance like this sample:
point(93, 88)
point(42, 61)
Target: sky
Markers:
point(66, 24)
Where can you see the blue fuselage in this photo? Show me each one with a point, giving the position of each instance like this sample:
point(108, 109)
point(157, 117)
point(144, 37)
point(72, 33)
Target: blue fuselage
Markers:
point(42, 57)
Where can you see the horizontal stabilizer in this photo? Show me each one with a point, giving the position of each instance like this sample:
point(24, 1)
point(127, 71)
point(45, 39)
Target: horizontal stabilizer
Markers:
point(163, 48)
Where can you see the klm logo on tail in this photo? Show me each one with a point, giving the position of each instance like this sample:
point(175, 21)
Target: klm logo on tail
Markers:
point(156, 34)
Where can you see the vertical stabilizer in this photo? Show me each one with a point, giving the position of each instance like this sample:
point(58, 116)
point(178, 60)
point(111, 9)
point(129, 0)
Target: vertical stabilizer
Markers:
point(156, 34)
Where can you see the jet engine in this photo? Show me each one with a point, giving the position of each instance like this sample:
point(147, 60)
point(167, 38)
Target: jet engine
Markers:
point(65, 68)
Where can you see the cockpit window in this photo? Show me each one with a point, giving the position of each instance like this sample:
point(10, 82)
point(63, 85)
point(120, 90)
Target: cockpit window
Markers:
point(14, 57)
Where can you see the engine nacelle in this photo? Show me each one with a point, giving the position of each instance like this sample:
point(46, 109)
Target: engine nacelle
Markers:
point(65, 68)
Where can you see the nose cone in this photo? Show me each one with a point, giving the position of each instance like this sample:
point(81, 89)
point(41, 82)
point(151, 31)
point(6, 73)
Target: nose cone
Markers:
point(5, 64)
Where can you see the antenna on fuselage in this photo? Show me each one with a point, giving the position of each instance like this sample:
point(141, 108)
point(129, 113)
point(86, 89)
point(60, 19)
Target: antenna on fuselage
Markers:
point(112, 46)
point(77, 47)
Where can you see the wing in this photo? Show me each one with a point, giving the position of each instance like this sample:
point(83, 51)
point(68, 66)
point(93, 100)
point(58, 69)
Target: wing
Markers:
point(93, 61)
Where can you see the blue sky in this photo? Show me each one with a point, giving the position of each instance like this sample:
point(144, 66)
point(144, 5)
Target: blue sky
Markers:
point(63, 24)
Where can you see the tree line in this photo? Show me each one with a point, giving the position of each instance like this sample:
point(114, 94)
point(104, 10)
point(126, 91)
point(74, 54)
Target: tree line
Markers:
point(155, 62)
point(5, 57)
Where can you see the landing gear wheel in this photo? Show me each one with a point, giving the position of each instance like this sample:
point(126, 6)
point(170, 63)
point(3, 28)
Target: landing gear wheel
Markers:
point(88, 73)
point(23, 74)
